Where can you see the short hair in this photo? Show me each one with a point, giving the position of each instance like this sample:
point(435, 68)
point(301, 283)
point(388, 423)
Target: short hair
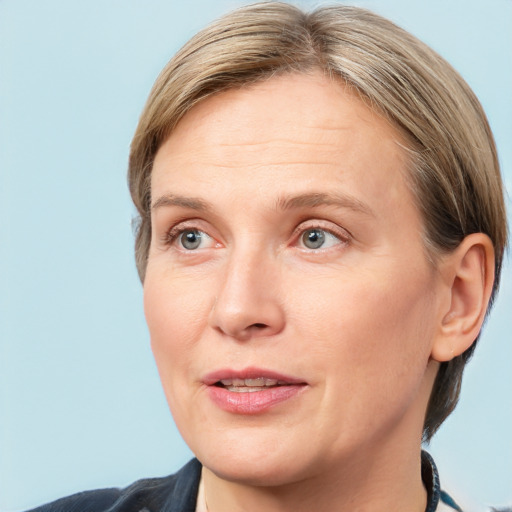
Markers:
point(453, 166)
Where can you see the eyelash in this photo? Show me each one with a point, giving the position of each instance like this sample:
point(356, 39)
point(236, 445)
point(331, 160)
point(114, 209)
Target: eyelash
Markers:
point(342, 235)
point(176, 231)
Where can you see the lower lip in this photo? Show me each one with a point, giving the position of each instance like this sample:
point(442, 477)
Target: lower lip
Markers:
point(254, 402)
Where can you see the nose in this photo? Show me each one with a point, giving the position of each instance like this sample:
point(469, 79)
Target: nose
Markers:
point(248, 301)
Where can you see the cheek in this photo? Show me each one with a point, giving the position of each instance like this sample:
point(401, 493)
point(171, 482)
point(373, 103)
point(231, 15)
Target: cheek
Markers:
point(369, 344)
point(375, 325)
point(175, 314)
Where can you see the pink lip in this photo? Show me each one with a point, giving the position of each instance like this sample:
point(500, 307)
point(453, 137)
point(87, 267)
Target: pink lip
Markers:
point(255, 402)
point(248, 373)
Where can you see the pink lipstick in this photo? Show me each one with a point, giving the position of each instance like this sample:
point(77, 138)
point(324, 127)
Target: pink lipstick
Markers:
point(250, 391)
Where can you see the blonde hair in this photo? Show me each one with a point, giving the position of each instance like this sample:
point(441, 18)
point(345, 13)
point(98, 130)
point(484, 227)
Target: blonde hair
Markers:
point(454, 171)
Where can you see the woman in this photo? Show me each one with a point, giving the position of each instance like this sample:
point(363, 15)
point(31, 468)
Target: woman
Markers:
point(321, 231)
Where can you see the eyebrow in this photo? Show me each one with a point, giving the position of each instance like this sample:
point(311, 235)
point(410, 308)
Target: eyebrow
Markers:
point(307, 200)
point(192, 203)
point(313, 199)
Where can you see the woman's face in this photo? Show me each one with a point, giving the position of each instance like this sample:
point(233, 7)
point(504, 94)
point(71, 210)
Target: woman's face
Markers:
point(290, 304)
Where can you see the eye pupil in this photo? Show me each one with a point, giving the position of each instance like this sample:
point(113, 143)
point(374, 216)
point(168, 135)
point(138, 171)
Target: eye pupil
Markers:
point(313, 238)
point(191, 239)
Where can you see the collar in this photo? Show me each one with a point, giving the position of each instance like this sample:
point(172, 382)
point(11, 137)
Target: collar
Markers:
point(430, 477)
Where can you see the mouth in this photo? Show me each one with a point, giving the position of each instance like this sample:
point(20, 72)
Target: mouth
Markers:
point(249, 385)
point(251, 391)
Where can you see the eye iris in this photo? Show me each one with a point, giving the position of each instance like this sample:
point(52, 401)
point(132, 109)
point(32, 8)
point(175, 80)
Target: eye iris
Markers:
point(191, 239)
point(313, 238)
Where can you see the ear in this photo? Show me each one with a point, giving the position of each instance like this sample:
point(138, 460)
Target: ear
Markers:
point(469, 274)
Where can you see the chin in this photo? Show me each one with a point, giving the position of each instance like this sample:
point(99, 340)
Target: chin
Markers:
point(250, 464)
point(248, 472)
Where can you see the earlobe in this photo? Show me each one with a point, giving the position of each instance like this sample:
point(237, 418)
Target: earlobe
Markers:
point(469, 271)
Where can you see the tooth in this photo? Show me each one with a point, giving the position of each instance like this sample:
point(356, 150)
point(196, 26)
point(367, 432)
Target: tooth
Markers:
point(255, 384)
point(245, 389)
point(260, 381)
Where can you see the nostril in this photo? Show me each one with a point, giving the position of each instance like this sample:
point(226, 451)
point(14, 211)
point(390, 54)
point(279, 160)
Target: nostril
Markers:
point(259, 326)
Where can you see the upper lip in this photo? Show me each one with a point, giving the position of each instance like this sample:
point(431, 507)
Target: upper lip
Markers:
point(249, 373)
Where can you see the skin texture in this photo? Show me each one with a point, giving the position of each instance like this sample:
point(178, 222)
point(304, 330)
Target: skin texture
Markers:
point(356, 320)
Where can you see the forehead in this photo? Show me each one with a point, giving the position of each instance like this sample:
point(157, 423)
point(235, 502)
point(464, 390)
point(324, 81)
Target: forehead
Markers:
point(291, 132)
point(312, 106)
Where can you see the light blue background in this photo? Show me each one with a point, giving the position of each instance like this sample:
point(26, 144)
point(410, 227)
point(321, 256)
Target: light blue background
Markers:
point(81, 405)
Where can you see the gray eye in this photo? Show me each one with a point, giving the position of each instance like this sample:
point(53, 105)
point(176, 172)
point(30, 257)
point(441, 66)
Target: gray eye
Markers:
point(313, 238)
point(191, 239)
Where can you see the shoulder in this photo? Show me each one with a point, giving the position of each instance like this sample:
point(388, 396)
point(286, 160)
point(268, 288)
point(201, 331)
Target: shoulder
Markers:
point(177, 492)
